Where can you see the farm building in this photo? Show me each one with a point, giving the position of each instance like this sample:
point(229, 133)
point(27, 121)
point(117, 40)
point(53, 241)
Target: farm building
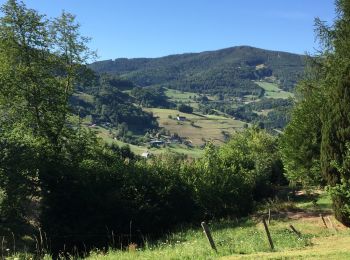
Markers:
point(181, 118)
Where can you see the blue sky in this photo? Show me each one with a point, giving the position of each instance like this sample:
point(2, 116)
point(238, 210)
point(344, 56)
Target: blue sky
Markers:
point(154, 28)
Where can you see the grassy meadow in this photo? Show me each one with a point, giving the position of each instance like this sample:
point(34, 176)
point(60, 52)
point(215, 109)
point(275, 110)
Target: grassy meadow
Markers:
point(273, 91)
point(197, 128)
point(177, 95)
point(246, 238)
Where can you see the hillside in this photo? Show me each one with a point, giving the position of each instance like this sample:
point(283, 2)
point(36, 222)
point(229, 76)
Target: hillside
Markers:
point(225, 71)
point(137, 100)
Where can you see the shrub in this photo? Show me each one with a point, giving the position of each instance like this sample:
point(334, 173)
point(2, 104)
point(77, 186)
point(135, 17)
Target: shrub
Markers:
point(185, 109)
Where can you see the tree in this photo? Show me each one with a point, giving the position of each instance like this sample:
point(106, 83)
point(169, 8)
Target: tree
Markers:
point(320, 126)
point(185, 109)
point(24, 52)
point(40, 65)
point(300, 142)
point(335, 116)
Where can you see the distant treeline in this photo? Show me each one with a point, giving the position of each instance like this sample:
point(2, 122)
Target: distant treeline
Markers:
point(226, 71)
point(109, 105)
point(278, 117)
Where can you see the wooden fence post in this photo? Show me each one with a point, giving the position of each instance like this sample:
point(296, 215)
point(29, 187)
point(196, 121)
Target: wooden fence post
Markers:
point(268, 220)
point(295, 231)
point(268, 234)
point(208, 235)
point(324, 222)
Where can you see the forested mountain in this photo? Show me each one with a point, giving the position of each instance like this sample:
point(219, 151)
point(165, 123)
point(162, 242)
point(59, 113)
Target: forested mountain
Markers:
point(229, 71)
point(104, 101)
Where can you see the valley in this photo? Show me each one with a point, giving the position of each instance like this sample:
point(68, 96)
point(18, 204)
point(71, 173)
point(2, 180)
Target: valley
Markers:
point(187, 133)
point(152, 158)
point(137, 101)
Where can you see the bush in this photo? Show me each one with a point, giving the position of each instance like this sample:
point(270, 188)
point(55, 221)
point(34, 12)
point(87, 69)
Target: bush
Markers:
point(185, 109)
point(254, 153)
point(220, 191)
point(91, 191)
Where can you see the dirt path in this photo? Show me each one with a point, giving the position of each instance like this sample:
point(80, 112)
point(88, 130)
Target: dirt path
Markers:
point(335, 245)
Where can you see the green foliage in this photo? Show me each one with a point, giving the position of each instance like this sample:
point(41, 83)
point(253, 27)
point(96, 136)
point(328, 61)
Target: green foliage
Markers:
point(226, 71)
point(116, 82)
point(300, 143)
point(255, 154)
point(336, 114)
point(340, 192)
point(278, 117)
point(115, 107)
point(81, 195)
point(96, 189)
point(270, 103)
point(320, 127)
point(110, 105)
point(19, 163)
point(233, 239)
point(41, 65)
point(220, 190)
point(185, 109)
point(151, 97)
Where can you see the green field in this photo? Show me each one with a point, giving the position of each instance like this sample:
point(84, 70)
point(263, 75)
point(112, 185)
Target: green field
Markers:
point(273, 91)
point(246, 238)
point(178, 96)
point(204, 127)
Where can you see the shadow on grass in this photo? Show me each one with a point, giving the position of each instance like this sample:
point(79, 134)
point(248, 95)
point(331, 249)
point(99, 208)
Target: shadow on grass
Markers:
point(196, 126)
point(198, 115)
point(295, 204)
point(244, 222)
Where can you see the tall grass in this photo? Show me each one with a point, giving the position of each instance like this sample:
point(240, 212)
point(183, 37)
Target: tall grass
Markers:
point(231, 237)
point(247, 238)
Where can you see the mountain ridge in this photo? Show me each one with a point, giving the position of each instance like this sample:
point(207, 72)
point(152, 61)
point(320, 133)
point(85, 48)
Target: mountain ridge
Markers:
point(231, 70)
point(201, 52)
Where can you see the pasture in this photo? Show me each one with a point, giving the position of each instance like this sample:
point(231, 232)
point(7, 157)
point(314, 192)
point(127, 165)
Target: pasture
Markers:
point(196, 128)
point(273, 91)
